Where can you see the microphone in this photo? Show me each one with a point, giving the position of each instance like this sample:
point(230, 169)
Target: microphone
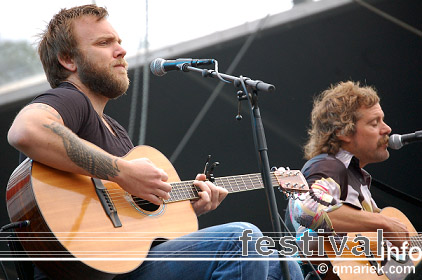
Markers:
point(14, 225)
point(397, 141)
point(160, 67)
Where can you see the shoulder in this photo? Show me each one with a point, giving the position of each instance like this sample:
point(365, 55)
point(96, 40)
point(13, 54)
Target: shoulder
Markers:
point(72, 105)
point(324, 162)
point(325, 166)
point(63, 95)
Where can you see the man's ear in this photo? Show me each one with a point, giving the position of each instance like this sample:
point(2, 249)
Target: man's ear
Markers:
point(343, 137)
point(67, 62)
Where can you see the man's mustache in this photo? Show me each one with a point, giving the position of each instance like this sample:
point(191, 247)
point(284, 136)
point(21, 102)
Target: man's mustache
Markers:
point(383, 141)
point(120, 62)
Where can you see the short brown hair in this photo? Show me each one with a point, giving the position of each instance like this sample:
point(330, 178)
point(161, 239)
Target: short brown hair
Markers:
point(58, 40)
point(335, 112)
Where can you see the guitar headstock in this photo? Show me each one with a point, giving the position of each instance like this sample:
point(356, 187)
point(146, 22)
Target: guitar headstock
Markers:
point(291, 181)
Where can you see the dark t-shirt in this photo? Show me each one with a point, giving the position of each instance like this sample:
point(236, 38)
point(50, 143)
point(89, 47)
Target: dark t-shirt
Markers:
point(79, 116)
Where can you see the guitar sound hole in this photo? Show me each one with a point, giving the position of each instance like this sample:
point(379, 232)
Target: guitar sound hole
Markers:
point(145, 204)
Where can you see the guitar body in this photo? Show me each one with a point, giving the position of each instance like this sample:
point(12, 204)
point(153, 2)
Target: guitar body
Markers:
point(68, 220)
point(363, 266)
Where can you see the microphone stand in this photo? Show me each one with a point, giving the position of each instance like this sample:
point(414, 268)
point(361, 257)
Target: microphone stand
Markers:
point(259, 140)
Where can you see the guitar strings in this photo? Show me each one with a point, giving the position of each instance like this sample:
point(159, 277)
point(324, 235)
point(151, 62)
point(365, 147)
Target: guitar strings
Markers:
point(234, 184)
point(186, 190)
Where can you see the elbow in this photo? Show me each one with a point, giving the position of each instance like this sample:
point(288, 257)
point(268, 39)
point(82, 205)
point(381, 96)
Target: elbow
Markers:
point(15, 140)
point(312, 216)
point(19, 138)
point(305, 220)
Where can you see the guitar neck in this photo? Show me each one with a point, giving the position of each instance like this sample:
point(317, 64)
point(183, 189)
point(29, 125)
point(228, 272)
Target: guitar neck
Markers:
point(416, 241)
point(185, 190)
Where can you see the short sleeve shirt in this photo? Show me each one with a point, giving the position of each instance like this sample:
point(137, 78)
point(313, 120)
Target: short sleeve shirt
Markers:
point(334, 180)
point(79, 115)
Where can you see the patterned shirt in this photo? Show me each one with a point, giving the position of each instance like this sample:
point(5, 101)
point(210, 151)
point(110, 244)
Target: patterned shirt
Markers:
point(334, 181)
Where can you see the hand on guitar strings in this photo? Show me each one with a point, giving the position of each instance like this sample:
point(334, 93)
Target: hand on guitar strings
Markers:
point(210, 195)
point(397, 233)
point(141, 178)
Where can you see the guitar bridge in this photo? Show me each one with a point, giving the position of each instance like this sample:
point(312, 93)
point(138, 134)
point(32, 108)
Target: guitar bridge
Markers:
point(106, 202)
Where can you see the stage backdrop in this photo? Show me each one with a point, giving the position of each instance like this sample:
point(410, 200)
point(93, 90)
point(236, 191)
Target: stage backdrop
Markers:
point(301, 58)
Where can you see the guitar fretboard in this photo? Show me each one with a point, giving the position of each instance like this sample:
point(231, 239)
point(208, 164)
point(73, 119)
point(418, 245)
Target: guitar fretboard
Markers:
point(416, 241)
point(187, 191)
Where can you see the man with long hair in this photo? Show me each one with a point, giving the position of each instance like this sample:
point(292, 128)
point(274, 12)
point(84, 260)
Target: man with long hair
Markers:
point(347, 133)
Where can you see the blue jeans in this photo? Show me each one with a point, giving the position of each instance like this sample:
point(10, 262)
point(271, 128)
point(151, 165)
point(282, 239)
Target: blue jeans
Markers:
point(214, 242)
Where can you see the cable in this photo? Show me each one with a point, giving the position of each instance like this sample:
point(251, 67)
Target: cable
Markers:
point(218, 74)
point(300, 250)
point(4, 270)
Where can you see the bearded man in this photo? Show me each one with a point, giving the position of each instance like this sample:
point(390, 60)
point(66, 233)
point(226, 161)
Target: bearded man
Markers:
point(66, 128)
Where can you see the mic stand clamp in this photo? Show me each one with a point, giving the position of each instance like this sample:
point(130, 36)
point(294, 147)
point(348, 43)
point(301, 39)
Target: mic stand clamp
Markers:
point(240, 97)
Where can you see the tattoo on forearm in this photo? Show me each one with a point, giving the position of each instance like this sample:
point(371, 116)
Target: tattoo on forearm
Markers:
point(98, 164)
point(43, 107)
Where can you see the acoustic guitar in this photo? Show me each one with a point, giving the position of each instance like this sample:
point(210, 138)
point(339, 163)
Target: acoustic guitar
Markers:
point(397, 268)
point(85, 228)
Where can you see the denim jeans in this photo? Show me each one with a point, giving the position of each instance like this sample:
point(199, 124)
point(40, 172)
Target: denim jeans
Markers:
point(214, 242)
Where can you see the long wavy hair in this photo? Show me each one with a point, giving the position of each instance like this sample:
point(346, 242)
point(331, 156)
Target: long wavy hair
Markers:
point(335, 112)
point(58, 40)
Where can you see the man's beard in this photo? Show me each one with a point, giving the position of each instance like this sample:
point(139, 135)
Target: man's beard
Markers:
point(101, 80)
